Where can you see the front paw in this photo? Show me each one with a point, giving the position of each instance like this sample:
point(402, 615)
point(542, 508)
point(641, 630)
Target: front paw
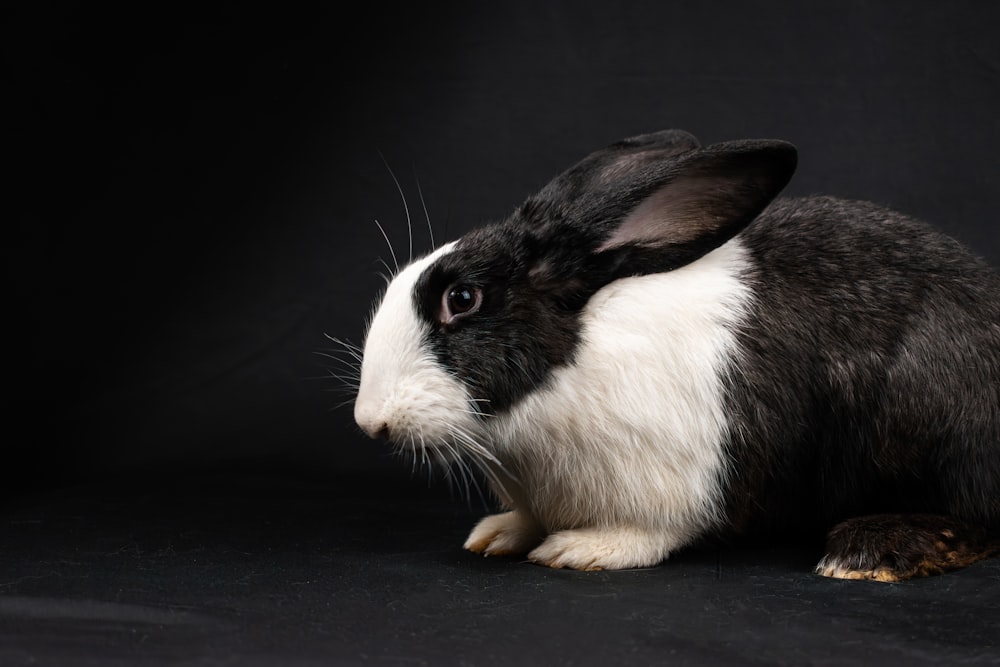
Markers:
point(507, 534)
point(600, 549)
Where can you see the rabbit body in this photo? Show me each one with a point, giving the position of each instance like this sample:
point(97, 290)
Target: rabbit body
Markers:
point(653, 351)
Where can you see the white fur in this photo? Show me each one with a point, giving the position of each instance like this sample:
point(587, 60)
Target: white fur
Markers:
point(617, 461)
point(402, 387)
point(620, 456)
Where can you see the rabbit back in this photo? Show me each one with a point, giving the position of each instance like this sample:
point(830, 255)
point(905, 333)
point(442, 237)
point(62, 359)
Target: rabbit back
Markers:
point(868, 372)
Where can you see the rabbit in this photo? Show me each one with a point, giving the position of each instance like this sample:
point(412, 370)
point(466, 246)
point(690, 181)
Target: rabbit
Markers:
point(654, 352)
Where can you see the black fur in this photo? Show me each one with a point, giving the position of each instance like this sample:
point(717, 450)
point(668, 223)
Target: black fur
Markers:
point(869, 372)
point(893, 547)
point(538, 268)
point(521, 331)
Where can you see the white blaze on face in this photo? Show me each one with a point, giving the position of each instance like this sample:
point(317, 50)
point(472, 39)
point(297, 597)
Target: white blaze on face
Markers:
point(404, 393)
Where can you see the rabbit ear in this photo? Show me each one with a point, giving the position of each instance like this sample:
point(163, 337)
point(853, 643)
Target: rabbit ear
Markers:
point(655, 145)
point(701, 201)
point(649, 204)
point(621, 162)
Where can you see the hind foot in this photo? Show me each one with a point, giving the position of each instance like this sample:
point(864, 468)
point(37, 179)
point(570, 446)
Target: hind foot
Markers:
point(897, 547)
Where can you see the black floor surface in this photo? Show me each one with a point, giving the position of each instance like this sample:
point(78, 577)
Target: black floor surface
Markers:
point(245, 569)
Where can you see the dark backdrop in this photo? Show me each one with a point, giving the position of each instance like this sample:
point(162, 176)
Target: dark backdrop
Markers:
point(192, 193)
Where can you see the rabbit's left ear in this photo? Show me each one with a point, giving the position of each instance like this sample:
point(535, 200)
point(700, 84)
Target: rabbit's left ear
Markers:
point(704, 199)
point(645, 205)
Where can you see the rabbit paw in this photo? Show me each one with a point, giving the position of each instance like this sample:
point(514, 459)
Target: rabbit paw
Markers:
point(891, 547)
point(599, 549)
point(507, 534)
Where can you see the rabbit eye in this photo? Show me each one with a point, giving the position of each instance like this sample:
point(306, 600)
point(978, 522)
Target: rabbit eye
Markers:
point(459, 301)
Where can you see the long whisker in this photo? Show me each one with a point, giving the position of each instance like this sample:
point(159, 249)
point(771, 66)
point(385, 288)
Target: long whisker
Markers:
point(430, 465)
point(389, 243)
point(458, 470)
point(477, 413)
point(346, 369)
point(349, 374)
point(343, 342)
point(354, 350)
point(474, 445)
point(350, 381)
point(332, 355)
point(420, 192)
point(424, 461)
point(475, 483)
point(454, 471)
point(406, 208)
point(485, 461)
point(413, 469)
point(470, 477)
point(387, 276)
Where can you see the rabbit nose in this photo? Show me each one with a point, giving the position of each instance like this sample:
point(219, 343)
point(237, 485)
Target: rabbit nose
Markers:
point(373, 424)
point(380, 432)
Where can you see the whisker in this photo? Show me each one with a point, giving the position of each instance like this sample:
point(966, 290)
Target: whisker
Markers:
point(487, 463)
point(413, 468)
point(469, 478)
point(332, 355)
point(349, 380)
point(387, 274)
point(314, 378)
point(391, 251)
point(346, 370)
point(424, 461)
point(460, 464)
point(474, 444)
point(350, 364)
point(349, 371)
point(452, 471)
point(477, 413)
point(406, 208)
point(420, 192)
point(430, 465)
point(346, 366)
point(343, 342)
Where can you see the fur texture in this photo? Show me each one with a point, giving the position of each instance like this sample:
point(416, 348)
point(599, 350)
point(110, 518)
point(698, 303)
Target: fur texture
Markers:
point(869, 374)
point(593, 454)
point(650, 352)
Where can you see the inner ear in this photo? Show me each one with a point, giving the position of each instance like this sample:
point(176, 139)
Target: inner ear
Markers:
point(707, 197)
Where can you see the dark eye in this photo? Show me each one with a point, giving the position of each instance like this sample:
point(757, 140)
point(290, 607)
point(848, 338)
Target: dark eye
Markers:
point(459, 301)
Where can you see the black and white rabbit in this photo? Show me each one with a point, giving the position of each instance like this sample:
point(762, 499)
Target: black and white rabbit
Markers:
point(653, 351)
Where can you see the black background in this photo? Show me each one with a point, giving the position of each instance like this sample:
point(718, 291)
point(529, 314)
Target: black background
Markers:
point(193, 192)
point(189, 210)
